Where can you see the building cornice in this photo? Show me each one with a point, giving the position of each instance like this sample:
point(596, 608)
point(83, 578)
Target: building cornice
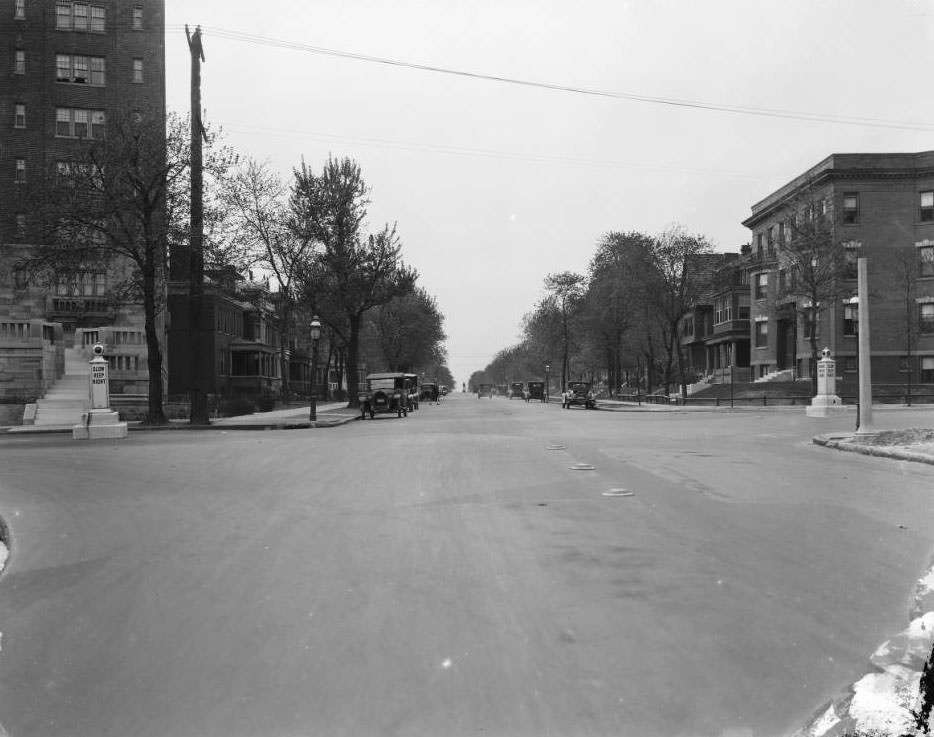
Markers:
point(845, 168)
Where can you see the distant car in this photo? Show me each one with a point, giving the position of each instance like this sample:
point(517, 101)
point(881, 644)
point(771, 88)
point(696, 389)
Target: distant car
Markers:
point(485, 390)
point(535, 390)
point(517, 390)
point(430, 392)
point(580, 394)
point(385, 393)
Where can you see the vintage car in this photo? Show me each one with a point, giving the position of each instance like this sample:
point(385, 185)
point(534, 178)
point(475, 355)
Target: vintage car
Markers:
point(535, 390)
point(580, 394)
point(517, 390)
point(385, 393)
point(430, 392)
point(485, 390)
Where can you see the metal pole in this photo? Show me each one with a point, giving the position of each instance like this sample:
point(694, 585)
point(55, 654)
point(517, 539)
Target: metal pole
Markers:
point(865, 354)
point(732, 371)
point(313, 412)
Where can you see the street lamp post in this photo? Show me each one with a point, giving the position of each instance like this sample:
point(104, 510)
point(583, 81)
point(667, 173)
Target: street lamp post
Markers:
point(315, 337)
point(547, 369)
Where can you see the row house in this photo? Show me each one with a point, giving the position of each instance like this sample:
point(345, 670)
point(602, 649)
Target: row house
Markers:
point(749, 324)
point(875, 206)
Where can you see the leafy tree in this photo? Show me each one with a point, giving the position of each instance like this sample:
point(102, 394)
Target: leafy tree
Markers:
point(351, 272)
point(410, 331)
point(615, 291)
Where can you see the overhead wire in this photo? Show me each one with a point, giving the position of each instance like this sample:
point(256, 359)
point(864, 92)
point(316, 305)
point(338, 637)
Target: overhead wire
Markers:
point(255, 39)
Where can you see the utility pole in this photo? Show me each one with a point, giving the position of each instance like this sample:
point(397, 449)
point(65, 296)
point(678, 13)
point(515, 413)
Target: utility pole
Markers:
point(199, 405)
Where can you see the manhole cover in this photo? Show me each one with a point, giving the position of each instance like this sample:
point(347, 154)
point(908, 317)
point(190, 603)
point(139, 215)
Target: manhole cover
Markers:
point(555, 446)
point(581, 467)
point(618, 492)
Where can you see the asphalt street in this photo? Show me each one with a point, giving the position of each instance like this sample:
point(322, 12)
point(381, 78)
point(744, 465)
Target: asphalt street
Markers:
point(452, 573)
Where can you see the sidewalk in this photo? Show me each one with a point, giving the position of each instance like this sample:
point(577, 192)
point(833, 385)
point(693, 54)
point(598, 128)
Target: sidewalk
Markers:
point(329, 414)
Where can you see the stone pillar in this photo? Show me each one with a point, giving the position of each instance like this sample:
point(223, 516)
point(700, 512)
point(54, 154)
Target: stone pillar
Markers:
point(826, 403)
point(100, 421)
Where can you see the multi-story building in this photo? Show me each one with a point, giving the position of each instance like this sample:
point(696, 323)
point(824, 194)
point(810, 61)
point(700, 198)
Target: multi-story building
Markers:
point(66, 69)
point(877, 206)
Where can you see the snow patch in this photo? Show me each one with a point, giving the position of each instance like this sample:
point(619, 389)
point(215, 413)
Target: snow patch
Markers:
point(4, 554)
point(882, 703)
point(828, 721)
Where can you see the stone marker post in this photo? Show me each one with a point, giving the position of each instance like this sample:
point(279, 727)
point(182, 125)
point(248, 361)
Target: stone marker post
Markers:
point(826, 403)
point(100, 421)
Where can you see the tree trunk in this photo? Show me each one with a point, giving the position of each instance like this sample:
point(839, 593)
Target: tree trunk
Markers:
point(353, 340)
point(285, 320)
point(156, 414)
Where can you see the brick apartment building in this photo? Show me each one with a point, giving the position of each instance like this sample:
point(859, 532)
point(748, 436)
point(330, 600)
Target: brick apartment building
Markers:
point(66, 68)
point(878, 206)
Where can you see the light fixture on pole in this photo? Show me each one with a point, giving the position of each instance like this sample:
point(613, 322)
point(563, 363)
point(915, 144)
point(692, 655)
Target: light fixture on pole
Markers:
point(315, 329)
point(547, 369)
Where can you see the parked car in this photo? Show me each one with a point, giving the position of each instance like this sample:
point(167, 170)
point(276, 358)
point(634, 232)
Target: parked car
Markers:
point(517, 390)
point(536, 390)
point(430, 392)
point(580, 394)
point(385, 393)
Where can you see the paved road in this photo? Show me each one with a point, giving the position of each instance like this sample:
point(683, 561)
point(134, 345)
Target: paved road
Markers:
point(448, 574)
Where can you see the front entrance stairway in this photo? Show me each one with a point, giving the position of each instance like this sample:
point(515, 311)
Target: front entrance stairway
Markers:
point(67, 398)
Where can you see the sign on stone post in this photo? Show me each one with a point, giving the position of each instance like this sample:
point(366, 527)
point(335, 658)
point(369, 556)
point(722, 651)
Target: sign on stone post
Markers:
point(99, 421)
point(826, 403)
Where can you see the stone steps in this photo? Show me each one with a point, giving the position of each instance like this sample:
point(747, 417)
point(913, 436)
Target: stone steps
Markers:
point(67, 399)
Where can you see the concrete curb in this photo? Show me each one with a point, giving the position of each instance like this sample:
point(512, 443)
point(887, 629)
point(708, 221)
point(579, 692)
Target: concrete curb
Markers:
point(322, 422)
point(847, 443)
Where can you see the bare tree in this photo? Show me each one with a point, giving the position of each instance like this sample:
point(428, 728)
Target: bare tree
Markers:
point(815, 269)
point(565, 295)
point(262, 222)
point(676, 280)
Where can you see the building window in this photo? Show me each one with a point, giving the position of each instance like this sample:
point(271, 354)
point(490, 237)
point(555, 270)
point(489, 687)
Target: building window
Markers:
point(927, 370)
point(762, 333)
point(904, 364)
point(927, 207)
point(138, 71)
point(850, 363)
point(80, 69)
point(19, 10)
point(63, 15)
point(759, 245)
point(926, 254)
point(71, 16)
point(762, 285)
point(781, 234)
point(137, 18)
point(850, 208)
point(851, 320)
point(79, 123)
point(851, 263)
point(98, 18)
point(770, 240)
point(19, 61)
point(19, 115)
point(926, 317)
point(20, 225)
point(723, 310)
point(20, 175)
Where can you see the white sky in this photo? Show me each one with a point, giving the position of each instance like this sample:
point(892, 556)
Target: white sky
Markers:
point(495, 185)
